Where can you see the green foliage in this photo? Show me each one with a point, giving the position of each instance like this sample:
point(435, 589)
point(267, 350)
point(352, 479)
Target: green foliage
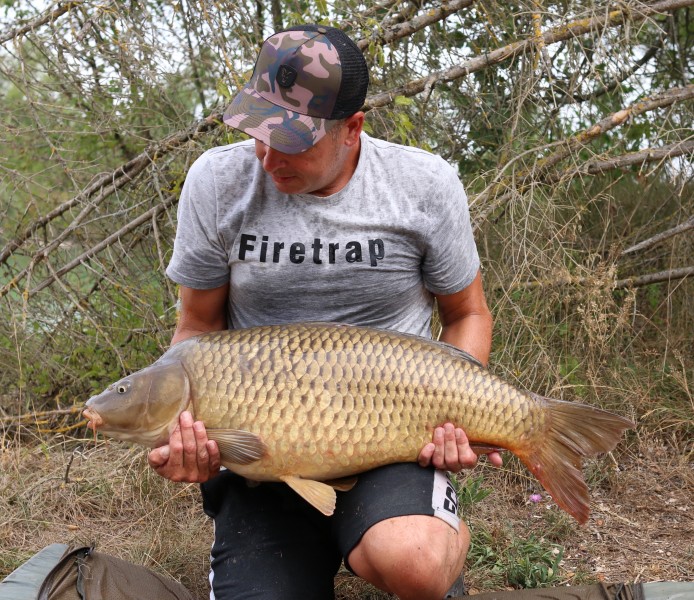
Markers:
point(471, 491)
point(533, 564)
point(526, 562)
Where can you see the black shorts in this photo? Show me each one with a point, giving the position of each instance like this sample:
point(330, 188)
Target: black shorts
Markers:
point(270, 543)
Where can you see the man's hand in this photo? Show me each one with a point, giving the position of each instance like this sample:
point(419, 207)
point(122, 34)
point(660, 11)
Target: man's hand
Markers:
point(189, 455)
point(450, 450)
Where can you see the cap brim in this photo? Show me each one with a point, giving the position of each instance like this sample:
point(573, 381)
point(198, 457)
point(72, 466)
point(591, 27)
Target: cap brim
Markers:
point(281, 129)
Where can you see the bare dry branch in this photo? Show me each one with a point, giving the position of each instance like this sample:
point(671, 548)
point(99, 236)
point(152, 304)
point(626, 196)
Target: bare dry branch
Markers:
point(105, 243)
point(666, 98)
point(40, 416)
point(648, 155)
point(401, 30)
point(660, 277)
point(661, 237)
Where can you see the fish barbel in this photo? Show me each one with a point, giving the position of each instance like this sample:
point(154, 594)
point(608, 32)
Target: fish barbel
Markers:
point(311, 403)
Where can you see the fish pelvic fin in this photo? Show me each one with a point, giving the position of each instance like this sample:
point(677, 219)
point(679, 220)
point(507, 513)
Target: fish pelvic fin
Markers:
point(575, 431)
point(317, 494)
point(238, 446)
point(344, 484)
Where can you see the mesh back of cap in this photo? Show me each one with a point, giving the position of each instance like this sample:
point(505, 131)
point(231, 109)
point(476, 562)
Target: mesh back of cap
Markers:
point(355, 73)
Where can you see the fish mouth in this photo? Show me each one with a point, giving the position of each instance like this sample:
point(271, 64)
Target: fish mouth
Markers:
point(95, 420)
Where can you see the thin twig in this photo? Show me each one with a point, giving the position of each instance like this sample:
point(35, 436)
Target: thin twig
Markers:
point(44, 414)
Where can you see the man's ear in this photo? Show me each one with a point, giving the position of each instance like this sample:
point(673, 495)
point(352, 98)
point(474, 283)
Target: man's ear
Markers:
point(354, 125)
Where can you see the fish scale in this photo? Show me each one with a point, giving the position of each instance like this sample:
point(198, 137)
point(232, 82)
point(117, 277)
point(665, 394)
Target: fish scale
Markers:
point(312, 402)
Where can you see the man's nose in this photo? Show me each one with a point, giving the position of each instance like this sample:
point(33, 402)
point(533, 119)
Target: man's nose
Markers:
point(272, 159)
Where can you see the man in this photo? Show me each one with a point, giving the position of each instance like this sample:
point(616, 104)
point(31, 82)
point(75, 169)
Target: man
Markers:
point(313, 220)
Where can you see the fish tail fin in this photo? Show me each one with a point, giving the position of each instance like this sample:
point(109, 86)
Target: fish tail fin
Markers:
point(574, 431)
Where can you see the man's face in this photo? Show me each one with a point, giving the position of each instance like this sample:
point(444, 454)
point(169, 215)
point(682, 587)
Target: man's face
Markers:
point(322, 170)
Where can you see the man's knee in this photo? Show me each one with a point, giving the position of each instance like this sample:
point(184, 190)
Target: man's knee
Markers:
point(413, 557)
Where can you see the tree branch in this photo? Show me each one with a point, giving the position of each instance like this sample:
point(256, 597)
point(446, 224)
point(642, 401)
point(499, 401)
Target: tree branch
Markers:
point(660, 277)
point(576, 28)
point(105, 243)
point(648, 155)
point(617, 284)
point(539, 171)
point(46, 17)
point(662, 236)
point(666, 98)
point(108, 183)
point(401, 30)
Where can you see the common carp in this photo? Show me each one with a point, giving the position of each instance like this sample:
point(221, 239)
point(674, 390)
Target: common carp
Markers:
point(311, 403)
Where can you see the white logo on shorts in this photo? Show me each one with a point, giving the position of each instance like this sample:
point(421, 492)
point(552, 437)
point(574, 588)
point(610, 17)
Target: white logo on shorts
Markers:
point(444, 500)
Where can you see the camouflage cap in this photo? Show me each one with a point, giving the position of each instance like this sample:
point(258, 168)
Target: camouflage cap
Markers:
point(305, 80)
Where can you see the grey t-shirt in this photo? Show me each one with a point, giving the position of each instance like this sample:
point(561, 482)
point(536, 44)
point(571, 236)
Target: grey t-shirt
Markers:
point(371, 254)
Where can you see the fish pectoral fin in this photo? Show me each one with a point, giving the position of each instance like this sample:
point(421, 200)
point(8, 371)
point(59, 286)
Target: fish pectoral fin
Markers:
point(344, 484)
point(317, 494)
point(238, 446)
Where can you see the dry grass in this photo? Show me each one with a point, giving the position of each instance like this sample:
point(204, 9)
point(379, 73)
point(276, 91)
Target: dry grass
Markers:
point(76, 491)
point(73, 491)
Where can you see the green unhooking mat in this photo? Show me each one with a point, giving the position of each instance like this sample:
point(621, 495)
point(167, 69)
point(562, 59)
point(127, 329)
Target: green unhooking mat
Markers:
point(59, 572)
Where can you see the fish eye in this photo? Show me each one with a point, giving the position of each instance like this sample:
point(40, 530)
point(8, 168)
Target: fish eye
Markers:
point(122, 388)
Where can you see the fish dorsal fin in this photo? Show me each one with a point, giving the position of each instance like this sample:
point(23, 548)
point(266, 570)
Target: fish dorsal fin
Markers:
point(462, 354)
point(317, 494)
point(238, 446)
point(344, 484)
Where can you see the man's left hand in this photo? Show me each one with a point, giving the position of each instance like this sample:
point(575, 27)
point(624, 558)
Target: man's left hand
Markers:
point(450, 450)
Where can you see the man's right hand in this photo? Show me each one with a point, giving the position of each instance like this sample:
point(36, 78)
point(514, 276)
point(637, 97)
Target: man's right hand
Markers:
point(189, 455)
